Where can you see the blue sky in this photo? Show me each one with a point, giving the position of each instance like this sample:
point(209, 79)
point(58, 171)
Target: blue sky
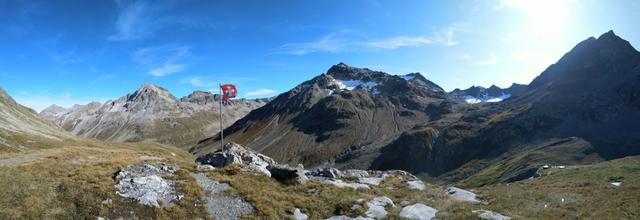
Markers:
point(68, 52)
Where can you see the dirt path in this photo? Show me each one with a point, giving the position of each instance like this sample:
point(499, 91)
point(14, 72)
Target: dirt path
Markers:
point(17, 160)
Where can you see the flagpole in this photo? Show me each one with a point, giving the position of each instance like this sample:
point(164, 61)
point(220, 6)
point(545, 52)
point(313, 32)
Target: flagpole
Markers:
point(221, 128)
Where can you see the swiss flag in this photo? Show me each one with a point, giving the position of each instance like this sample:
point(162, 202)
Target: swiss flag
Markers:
point(228, 91)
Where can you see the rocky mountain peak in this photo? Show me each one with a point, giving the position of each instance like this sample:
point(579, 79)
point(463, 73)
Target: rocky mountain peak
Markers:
point(589, 59)
point(149, 92)
point(201, 97)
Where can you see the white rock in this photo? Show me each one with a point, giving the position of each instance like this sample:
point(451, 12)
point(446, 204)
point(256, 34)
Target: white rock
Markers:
point(462, 195)
point(416, 184)
point(298, 215)
point(377, 207)
point(205, 167)
point(485, 214)
point(418, 212)
point(341, 184)
point(344, 217)
point(374, 181)
point(616, 183)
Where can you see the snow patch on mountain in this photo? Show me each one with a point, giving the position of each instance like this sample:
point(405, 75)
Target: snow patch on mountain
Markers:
point(473, 100)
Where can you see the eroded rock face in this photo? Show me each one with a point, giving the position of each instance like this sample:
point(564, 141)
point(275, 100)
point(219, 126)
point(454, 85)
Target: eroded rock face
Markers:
point(146, 183)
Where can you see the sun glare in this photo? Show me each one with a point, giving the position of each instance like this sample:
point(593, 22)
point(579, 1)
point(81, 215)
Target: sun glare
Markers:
point(545, 18)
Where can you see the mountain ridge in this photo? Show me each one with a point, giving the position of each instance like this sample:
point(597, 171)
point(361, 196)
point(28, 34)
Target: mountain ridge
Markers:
point(152, 113)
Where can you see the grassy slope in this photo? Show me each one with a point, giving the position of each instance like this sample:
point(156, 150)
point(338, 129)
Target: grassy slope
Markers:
point(586, 191)
point(72, 181)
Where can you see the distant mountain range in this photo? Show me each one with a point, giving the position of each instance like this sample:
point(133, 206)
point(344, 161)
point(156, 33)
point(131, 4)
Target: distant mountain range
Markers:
point(151, 113)
point(478, 94)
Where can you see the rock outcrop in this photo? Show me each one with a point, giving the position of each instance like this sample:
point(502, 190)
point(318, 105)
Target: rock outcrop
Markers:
point(146, 183)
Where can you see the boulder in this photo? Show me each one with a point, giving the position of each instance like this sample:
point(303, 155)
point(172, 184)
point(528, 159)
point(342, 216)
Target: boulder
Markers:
point(145, 183)
point(415, 184)
point(233, 153)
point(462, 195)
point(327, 172)
point(284, 173)
point(418, 212)
point(377, 207)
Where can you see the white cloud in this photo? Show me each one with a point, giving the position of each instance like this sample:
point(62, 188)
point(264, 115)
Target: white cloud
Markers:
point(261, 92)
point(133, 22)
point(198, 81)
point(162, 60)
point(329, 43)
point(465, 57)
point(39, 102)
point(490, 61)
point(340, 41)
point(401, 41)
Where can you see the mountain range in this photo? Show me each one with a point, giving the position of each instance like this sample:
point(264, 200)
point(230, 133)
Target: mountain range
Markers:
point(583, 108)
point(151, 113)
point(478, 94)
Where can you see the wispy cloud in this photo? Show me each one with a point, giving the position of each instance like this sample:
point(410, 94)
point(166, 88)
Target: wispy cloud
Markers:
point(329, 43)
point(261, 92)
point(133, 22)
point(490, 61)
point(198, 81)
point(162, 60)
point(342, 41)
point(401, 41)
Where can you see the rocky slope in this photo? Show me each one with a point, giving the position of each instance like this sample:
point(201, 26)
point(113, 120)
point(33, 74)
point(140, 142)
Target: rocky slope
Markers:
point(22, 129)
point(589, 101)
point(151, 113)
point(343, 116)
point(478, 94)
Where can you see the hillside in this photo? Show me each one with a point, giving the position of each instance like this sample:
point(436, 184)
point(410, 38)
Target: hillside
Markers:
point(151, 113)
point(21, 129)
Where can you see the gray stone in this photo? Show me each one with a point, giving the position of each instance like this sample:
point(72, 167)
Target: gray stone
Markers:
point(145, 183)
point(485, 214)
point(418, 212)
point(377, 207)
point(284, 173)
point(415, 184)
point(462, 195)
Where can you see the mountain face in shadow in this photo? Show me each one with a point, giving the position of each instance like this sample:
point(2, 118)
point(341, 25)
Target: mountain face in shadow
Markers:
point(591, 94)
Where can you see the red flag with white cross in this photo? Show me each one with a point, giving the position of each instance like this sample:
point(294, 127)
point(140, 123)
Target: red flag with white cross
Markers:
point(228, 91)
